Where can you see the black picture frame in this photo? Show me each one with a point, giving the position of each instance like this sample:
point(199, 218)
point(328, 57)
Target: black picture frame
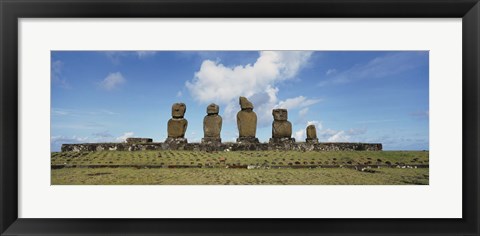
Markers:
point(12, 10)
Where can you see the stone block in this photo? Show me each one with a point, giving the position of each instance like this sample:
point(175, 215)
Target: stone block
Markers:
point(139, 140)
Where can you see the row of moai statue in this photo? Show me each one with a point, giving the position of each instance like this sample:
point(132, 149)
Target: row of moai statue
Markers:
point(246, 123)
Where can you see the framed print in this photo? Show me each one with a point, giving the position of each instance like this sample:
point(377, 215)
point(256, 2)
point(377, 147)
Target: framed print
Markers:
point(224, 117)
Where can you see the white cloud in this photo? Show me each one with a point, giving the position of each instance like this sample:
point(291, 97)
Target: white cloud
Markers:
point(56, 73)
point(296, 102)
point(179, 94)
point(103, 134)
point(340, 136)
point(124, 137)
point(379, 67)
point(420, 114)
point(302, 113)
point(331, 71)
point(112, 81)
point(59, 112)
point(116, 56)
point(215, 82)
point(76, 112)
point(145, 54)
point(60, 139)
point(356, 131)
point(299, 135)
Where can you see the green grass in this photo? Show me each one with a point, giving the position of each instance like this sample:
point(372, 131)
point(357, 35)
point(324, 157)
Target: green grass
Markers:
point(165, 176)
point(223, 176)
point(240, 157)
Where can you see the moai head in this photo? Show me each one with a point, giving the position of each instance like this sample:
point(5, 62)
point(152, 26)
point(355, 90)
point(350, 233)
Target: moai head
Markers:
point(213, 109)
point(245, 104)
point(280, 114)
point(178, 110)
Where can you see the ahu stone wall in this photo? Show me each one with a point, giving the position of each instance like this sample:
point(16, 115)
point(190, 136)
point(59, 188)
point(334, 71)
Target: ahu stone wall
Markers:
point(92, 147)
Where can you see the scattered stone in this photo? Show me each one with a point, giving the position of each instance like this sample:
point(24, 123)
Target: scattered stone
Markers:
point(246, 122)
point(212, 125)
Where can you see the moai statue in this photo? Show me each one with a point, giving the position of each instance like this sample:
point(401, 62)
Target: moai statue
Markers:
point(212, 125)
point(281, 127)
point(311, 134)
point(177, 125)
point(246, 122)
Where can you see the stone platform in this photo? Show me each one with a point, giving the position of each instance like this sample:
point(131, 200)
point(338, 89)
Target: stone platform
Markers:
point(298, 146)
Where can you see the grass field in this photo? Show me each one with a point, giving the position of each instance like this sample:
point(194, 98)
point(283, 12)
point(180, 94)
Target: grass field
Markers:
point(264, 167)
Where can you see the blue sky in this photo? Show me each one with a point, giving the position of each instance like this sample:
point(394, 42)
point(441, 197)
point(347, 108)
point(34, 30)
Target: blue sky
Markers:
point(351, 96)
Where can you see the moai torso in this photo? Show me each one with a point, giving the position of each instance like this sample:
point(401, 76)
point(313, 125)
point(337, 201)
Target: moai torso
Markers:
point(281, 127)
point(246, 119)
point(177, 128)
point(212, 123)
point(311, 132)
point(177, 125)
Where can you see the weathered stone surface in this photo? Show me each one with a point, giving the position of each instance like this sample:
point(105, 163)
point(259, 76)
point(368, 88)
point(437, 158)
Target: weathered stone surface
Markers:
point(281, 127)
point(178, 110)
point(213, 109)
point(212, 124)
point(175, 141)
point(311, 140)
point(245, 104)
point(247, 123)
point(280, 114)
point(311, 134)
point(181, 144)
point(175, 144)
point(282, 140)
point(211, 144)
point(246, 119)
point(139, 140)
point(177, 127)
point(247, 140)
